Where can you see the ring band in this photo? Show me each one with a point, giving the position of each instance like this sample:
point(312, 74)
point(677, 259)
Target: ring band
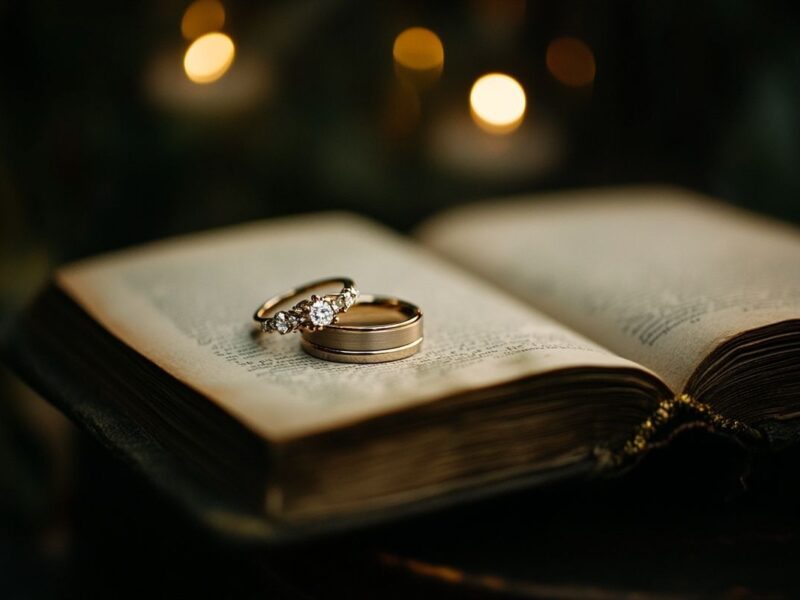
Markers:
point(310, 314)
point(374, 323)
point(361, 357)
point(377, 329)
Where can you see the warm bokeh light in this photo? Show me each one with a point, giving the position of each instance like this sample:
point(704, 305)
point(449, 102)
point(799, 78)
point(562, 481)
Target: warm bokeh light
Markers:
point(202, 16)
point(419, 49)
point(418, 57)
point(248, 84)
point(571, 61)
point(497, 103)
point(209, 57)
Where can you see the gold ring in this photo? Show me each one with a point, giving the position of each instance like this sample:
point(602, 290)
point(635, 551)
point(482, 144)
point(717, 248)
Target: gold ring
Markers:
point(373, 323)
point(310, 314)
point(362, 357)
point(377, 329)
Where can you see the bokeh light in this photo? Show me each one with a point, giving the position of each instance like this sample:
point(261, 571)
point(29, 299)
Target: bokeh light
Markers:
point(497, 103)
point(209, 57)
point(418, 56)
point(419, 48)
point(571, 61)
point(202, 16)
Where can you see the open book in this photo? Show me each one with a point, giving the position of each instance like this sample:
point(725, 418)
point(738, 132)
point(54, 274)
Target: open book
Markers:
point(564, 336)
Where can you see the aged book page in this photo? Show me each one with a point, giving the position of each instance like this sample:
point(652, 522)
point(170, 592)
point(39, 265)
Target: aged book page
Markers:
point(186, 304)
point(658, 275)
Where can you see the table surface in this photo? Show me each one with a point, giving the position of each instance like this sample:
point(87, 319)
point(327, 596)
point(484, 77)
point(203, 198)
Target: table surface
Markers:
point(698, 519)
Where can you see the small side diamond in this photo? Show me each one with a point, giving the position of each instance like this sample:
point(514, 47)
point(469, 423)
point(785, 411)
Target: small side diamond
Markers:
point(281, 323)
point(340, 303)
point(350, 296)
point(321, 313)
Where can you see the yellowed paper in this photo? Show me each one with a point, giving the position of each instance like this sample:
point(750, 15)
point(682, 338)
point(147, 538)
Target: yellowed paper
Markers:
point(187, 305)
point(657, 275)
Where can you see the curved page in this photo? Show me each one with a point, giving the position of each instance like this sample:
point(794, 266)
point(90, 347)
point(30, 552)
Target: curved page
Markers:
point(658, 275)
point(186, 304)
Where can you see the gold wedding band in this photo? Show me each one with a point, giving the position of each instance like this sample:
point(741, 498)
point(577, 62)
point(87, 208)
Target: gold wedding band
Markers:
point(312, 313)
point(361, 356)
point(377, 329)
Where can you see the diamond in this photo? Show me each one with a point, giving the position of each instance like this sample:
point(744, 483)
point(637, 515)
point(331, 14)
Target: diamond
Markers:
point(350, 297)
point(281, 323)
point(321, 313)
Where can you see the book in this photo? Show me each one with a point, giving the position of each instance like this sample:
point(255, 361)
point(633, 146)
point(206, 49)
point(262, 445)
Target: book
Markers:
point(565, 335)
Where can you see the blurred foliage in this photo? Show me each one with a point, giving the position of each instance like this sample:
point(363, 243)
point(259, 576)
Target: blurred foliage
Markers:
point(705, 96)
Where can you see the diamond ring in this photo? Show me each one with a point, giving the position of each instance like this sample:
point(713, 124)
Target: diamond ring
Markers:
point(309, 314)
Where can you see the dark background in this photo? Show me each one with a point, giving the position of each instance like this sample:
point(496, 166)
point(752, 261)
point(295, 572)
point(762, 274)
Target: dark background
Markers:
point(99, 150)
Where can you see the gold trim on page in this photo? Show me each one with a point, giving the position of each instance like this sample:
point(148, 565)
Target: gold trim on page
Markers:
point(666, 413)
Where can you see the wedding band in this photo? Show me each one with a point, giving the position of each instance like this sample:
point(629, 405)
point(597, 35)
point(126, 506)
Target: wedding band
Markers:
point(373, 323)
point(361, 357)
point(377, 329)
point(309, 314)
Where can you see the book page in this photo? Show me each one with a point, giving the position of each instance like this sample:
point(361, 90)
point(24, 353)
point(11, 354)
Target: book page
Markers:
point(658, 275)
point(187, 305)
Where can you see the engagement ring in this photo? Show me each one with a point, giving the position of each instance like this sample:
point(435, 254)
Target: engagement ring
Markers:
point(309, 314)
